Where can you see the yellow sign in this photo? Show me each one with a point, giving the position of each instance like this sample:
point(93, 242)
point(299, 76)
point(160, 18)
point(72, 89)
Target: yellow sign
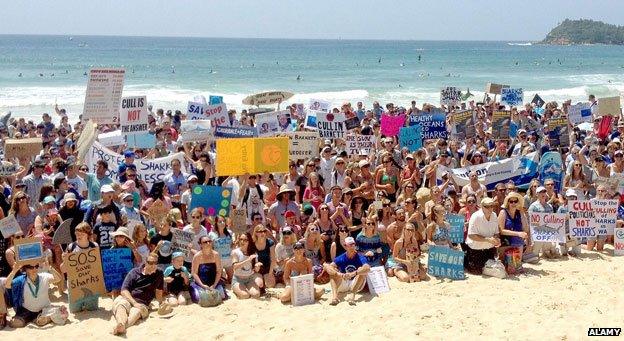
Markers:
point(252, 155)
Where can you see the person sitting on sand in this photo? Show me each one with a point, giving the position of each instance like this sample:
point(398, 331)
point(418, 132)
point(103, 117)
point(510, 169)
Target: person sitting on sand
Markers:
point(482, 238)
point(139, 288)
point(177, 278)
point(347, 273)
point(405, 260)
point(30, 294)
point(296, 266)
point(246, 281)
point(206, 270)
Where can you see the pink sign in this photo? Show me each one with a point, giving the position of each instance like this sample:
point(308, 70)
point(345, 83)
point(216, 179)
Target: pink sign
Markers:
point(390, 125)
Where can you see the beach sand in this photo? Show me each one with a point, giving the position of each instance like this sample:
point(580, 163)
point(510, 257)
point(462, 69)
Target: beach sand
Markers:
point(555, 299)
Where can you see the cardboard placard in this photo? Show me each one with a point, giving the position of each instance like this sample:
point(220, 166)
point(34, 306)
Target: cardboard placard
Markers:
point(85, 278)
point(433, 124)
point(303, 145)
point(609, 106)
point(463, 125)
point(112, 138)
point(8, 168)
point(445, 262)
point(581, 219)
point(512, 97)
point(252, 155)
point(158, 211)
point(302, 290)
point(390, 125)
point(537, 101)
point(605, 215)
point(103, 95)
point(116, 263)
point(235, 132)
point(29, 250)
point(558, 132)
point(493, 88)
point(548, 227)
point(265, 98)
point(180, 242)
point(319, 105)
point(450, 96)
point(195, 131)
point(618, 245)
point(457, 222)
point(9, 226)
point(239, 220)
point(500, 125)
point(377, 280)
point(85, 140)
point(330, 125)
point(411, 138)
point(579, 113)
point(22, 148)
point(360, 144)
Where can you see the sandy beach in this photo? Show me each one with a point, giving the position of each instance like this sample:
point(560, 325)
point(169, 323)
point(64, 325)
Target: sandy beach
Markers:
point(554, 300)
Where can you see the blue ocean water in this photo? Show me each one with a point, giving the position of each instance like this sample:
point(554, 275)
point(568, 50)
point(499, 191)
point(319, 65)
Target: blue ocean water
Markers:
point(171, 71)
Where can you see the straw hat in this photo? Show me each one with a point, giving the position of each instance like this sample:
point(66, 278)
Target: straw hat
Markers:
point(514, 195)
point(122, 231)
point(284, 189)
point(423, 195)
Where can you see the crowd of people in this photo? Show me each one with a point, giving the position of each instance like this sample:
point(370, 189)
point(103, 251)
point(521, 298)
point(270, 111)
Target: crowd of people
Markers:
point(334, 216)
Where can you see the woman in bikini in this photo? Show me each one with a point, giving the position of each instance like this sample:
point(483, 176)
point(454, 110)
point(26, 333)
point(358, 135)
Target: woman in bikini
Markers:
point(386, 178)
point(438, 231)
point(297, 266)
point(405, 260)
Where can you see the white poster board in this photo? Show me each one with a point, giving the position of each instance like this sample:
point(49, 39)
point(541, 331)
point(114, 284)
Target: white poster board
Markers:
point(9, 226)
point(360, 144)
point(377, 280)
point(303, 145)
point(302, 290)
point(103, 95)
point(112, 138)
point(133, 115)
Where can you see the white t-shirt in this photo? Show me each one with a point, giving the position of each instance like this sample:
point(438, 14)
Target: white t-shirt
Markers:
point(247, 269)
point(41, 299)
point(483, 227)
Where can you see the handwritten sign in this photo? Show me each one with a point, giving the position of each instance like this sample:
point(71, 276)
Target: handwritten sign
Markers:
point(239, 220)
point(581, 219)
point(116, 263)
point(500, 125)
point(195, 111)
point(85, 278)
point(7, 168)
point(22, 148)
point(411, 138)
point(217, 114)
point(9, 226)
point(302, 289)
point(103, 96)
point(359, 144)
point(433, 125)
point(303, 145)
point(450, 96)
point(609, 106)
point(457, 222)
point(133, 115)
point(445, 262)
point(377, 280)
point(62, 235)
point(512, 97)
point(180, 242)
point(158, 211)
point(330, 125)
point(29, 250)
point(547, 227)
point(618, 245)
point(579, 113)
point(605, 215)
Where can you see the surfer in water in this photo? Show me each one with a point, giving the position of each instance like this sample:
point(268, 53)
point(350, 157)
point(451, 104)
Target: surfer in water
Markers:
point(298, 77)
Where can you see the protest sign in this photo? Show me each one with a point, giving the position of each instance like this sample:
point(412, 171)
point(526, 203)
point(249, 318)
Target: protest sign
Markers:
point(116, 263)
point(618, 245)
point(148, 170)
point(195, 110)
point(537, 101)
point(267, 124)
point(302, 289)
point(558, 132)
point(493, 88)
point(581, 219)
point(609, 106)
point(359, 144)
point(9, 226)
point(450, 95)
point(146, 140)
point(8, 168)
point(605, 215)
point(252, 155)
point(330, 125)
point(445, 262)
point(195, 131)
point(85, 140)
point(579, 113)
point(158, 211)
point(411, 138)
point(319, 105)
point(352, 123)
point(180, 242)
point(463, 125)
point(112, 138)
point(62, 235)
point(551, 167)
point(303, 145)
point(235, 132)
point(390, 125)
point(239, 220)
point(85, 277)
point(103, 95)
point(377, 280)
point(547, 227)
point(215, 200)
point(22, 148)
point(512, 97)
point(310, 120)
point(133, 115)
point(521, 170)
point(433, 125)
point(299, 110)
point(457, 222)
point(28, 250)
point(215, 99)
point(217, 114)
point(269, 97)
point(500, 125)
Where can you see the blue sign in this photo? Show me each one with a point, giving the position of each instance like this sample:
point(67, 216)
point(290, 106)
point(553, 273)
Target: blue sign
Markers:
point(116, 263)
point(141, 141)
point(29, 251)
point(433, 125)
point(234, 132)
point(215, 100)
point(411, 137)
point(511, 96)
point(446, 262)
point(215, 200)
point(457, 222)
point(551, 167)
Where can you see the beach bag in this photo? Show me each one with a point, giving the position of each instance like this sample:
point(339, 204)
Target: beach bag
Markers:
point(209, 297)
point(494, 268)
point(513, 261)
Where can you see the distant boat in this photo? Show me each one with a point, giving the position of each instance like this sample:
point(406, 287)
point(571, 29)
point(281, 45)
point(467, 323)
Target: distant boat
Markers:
point(519, 44)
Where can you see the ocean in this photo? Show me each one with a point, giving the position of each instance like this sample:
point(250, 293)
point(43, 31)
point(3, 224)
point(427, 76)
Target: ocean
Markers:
point(38, 71)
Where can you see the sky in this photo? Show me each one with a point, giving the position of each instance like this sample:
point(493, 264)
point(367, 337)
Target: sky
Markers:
point(321, 19)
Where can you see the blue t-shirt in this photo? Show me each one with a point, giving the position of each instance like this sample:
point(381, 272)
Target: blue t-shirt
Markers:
point(223, 245)
point(346, 264)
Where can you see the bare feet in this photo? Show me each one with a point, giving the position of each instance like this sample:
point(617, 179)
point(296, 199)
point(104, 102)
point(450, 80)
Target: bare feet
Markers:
point(120, 329)
point(335, 301)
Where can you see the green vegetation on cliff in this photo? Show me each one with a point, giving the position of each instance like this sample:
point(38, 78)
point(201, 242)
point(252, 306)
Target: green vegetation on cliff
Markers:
point(585, 31)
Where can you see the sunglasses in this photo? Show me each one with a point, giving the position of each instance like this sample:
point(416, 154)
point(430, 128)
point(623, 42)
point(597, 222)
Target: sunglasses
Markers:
point(243, 240)
point(154, 262)
point(257, 219)
point(343, 231)
point(196, 217)
point(261, 231)
point(206, 242)
point(129, 200)
point(324, 209)
point(18, 237)
point(471, 201)
point(315, 229)
point(287, 233)
point(513, 201)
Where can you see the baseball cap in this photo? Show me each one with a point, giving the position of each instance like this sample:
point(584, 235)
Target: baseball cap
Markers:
point(363, 163)
point(349, 241)
point(107, 189)
point(571, 193)
point(540, 189)
point(129, 153)
point(289, 214)
point(299, 246)
point(49, 200)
